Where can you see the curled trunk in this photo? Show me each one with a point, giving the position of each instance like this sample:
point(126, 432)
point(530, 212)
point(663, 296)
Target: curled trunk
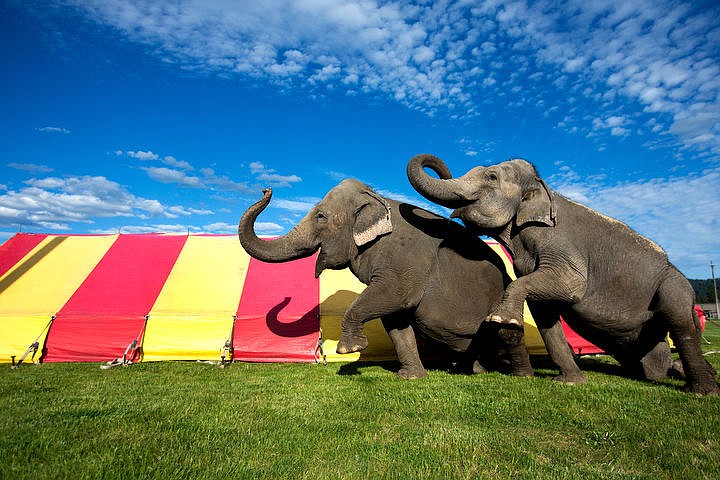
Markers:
point(443, 190)
point(298, 243)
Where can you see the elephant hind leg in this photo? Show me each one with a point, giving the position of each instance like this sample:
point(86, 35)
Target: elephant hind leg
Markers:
point(674, 303)
point(653, 365)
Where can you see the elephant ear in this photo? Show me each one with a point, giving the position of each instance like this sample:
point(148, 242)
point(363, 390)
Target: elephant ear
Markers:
point(372, 219)
point(537, 205)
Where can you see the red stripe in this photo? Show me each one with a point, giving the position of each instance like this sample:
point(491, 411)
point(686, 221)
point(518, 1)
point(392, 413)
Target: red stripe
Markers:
point(107, 311)
point(13, 250)
point(278, 315)
point(578, 344)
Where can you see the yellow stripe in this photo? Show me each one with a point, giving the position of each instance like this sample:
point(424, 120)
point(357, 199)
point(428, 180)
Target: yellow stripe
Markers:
point(18, 333)
point(40, 284)
point(193, 315)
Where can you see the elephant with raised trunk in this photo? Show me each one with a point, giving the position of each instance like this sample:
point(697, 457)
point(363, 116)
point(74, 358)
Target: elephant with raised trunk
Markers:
point(423, 273)
point(613, 286)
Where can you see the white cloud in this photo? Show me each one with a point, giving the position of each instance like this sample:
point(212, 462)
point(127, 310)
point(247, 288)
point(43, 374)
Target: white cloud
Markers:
point(178, 174)
point(256, 167)
point(174, 162)
point(168, 175)
point(156, 228)
point(295, 205)
point(276, 180)
point(224, 183)
point(53, 130)
point(427, 55)
point(269, 177)
point(337, 176)
point(53, 203)
point(140, 155)
point(615, 124)
point(177, 211)
point(267, 228)
point(220, 227)
point(174, 228)
point(30, 167)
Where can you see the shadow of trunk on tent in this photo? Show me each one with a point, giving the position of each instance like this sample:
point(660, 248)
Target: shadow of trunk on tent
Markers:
point(305, 325)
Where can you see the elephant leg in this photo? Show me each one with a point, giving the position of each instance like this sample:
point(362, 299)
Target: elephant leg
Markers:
point(513, 339)
point(648, 357)
point(675, 304)
point(548, 323)
point(657, 363)
point(377, 300)
point(544, 284)
point(403, 337)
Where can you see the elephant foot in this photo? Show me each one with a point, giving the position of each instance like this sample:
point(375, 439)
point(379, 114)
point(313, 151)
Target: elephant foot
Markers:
point(351, 344)
point(708, 388)
point(571, 379)
point(411, 373)
point(522, 372)
point(478, 368)
point(704, 382)
point(507, 320)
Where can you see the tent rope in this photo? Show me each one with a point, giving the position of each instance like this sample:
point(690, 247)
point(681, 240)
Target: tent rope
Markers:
point(226, 350)
point(319, 352)
point(131, 351)
point(34, 347)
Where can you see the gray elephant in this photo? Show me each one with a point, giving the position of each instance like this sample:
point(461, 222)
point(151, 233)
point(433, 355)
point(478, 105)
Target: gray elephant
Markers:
point(613, 286)
point(422, 272)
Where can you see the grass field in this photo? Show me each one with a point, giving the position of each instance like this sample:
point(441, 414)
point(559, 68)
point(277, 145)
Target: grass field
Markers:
point(194, 420)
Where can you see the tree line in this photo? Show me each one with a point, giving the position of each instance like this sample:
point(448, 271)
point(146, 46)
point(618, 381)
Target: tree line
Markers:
point(704, 292)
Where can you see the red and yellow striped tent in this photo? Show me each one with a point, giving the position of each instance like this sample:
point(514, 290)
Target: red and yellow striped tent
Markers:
point(86, 298)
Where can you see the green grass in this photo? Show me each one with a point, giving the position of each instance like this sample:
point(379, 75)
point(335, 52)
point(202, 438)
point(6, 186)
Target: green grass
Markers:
point(193, 420)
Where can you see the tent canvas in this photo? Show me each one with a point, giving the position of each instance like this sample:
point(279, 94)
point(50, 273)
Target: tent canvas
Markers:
point(181, 297)
point(193, 314)
point(37, 285)
point(277, 318)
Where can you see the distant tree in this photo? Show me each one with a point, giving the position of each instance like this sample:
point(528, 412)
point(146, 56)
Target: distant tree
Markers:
point(703, 290)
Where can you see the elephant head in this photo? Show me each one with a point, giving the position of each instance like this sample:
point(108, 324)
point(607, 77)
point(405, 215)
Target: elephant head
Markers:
point(350, 216)
point(488, 198)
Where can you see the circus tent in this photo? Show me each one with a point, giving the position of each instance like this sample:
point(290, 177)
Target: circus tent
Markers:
point(154, 297)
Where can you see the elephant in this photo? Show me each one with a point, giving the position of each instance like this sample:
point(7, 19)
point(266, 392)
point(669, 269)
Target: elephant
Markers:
point(420, 270)
point(613, 286)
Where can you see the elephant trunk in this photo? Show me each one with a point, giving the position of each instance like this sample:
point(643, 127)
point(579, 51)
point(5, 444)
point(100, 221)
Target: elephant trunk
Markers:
point(444, 190)
point(298, 242)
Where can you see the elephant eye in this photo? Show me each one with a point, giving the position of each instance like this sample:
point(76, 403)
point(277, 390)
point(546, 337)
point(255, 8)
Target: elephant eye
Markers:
point(491, 177)
point(321, 218)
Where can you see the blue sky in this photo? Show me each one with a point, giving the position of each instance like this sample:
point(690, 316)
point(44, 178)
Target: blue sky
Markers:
point(122, 115)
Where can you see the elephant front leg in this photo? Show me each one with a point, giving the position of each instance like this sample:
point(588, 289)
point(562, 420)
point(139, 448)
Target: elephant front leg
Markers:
point(403, 337)
point(352, 338)
point(375, 301)
point(513, 339)
point(510, 310)
point(548, 283)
